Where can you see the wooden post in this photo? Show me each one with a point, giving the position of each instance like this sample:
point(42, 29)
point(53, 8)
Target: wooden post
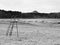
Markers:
point(8, 29)
point(11, 26)
point(17, 29)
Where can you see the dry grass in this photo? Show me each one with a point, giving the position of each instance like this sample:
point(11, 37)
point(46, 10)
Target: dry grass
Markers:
point(44, 34)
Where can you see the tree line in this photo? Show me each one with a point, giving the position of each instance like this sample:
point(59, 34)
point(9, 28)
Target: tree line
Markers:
point(17, 14)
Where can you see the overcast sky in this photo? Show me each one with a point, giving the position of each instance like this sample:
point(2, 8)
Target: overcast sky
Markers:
point(31, 5)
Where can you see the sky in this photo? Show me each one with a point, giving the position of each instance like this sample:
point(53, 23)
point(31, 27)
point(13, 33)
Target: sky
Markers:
point(44, 6)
